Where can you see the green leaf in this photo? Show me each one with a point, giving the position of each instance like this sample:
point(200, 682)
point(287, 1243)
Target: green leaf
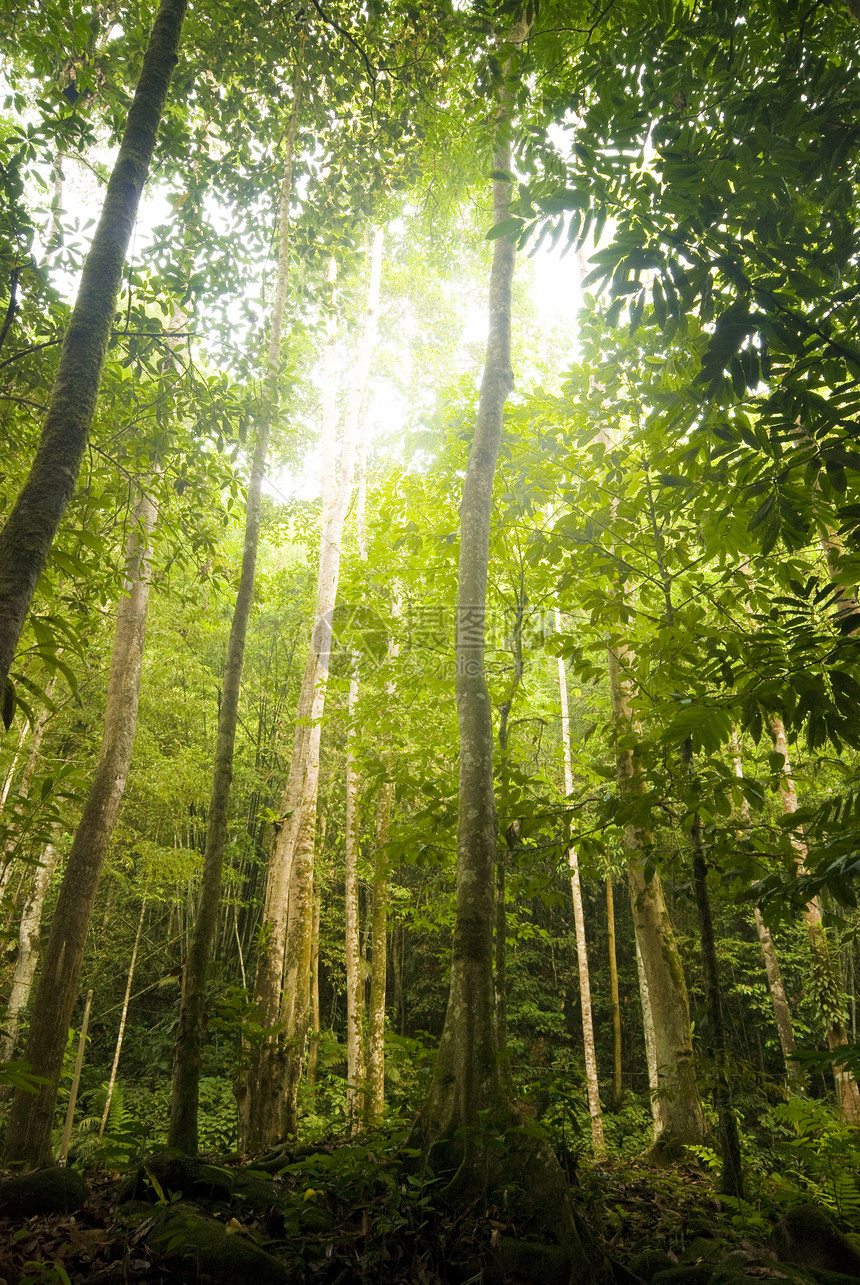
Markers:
point(508, 227)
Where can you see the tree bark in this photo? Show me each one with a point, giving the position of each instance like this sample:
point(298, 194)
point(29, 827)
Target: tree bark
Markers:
point(268, 1099)
point(617, 1080)
point(28, 1135)
point(27, 536)
point(466, 1099)
point(680, 1106)
point(598, 1143)
point(650, 1042)
point(355, 1067)
point(11, 845)
point(183, 1132)
point(28, 951)
point(375, 1100)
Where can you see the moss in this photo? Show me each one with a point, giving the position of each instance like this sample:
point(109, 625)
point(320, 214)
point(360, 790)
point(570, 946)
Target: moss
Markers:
point(184, 1237)
point(46, 1191)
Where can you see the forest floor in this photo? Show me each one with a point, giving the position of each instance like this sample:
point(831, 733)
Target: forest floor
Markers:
point(341, 1215)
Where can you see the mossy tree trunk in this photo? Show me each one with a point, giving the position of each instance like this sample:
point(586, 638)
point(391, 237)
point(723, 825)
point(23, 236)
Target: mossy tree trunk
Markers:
point(28, 1135)
point(29, 532)
point(188, 1042)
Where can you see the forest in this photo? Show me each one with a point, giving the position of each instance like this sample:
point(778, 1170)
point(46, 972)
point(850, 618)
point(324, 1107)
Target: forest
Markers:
point(429, 641)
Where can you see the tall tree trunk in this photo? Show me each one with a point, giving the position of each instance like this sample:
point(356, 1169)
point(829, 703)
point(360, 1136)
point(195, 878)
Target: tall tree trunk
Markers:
point(617, 1081)
point(511, 826)
point(28, 1135)
point(731, 1172)
point(355, 1067)
point(466, 1079)
point(27, 536)
point(314, 1046)
point(828, 983)
point(466, 1095)
point(28, 951)
point(122, 1020)
point(375, 1100)
point(680, 1106)
point(598, 1143)
point(184, 1100)
point(268, 1098)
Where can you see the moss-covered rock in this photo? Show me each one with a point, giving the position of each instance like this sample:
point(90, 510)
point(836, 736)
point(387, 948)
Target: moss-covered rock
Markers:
point(198, 1247)
point(649, 1262)
point(688, 1274)
point(534, 1260)
point(45, 1191)
point(177, 1175)
point(252, 1188)
point(806, 1235)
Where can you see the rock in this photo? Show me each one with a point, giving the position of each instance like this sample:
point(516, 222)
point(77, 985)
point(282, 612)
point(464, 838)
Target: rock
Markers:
point(534, 1260)
point(252, 1189)
point(689, 1274)
point(806, 1235)
point(651, 1261)
point(197, 1246)
point(45, 1191)
point(177, 1175)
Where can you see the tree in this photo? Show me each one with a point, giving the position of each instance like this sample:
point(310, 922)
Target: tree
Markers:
point(26, 538)
point(268, 1097)
point(189, 1033)
point(28, 1135)
point(466, 1097)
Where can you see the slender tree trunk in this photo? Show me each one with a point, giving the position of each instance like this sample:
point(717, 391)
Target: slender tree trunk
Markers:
point(28, 951)
point(29, 532)
point(466, 1079)
point(731, 1172)
point(829, 985)
point(182, 1132)
point(680, 1106)
point(375, 1100)
point(10, 775)
point(11, 845)
point(28, 1135)
point(355, 1067)
point(466, 1094)
point(314, 1047)
point(76, 1080)
point(617, 1082)
point(122, 1020)
point(598, 1143)
point(778, 998)
point(268, 1099)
